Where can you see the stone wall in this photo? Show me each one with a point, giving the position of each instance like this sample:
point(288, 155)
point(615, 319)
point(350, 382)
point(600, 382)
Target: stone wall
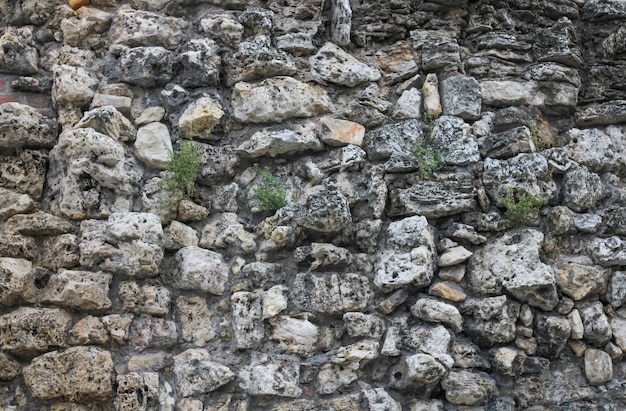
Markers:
point(379, 286)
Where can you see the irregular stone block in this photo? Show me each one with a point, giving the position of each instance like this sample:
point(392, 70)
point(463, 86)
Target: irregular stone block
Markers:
point(226, 230)
point(25, 172)
point(276, 375)
point(461, 97)
point(37, 224)
point(72, 86)
point(506, 144)
point(9, 368)
point(109, 121)
point(18, 54)
point(444, 195)
point(582, 190)
point(598, 150)
point(23, 126)
point(75, 374)
point(552, 334)
point(364, 325)
point(397, 62)
point(147, 66)
point(137, 391)
point(608, 113)
point(396, 270)
point(596, 324)
point(120, 103)
point(143, 28)
point(409, 105)
point(579, 280)
point(432, 310)
point(31, 331)
point(89, 331)
point(154, 145)
point(551, 98)
point(468, 388)
point(332, 64)
point(79, 290)
point(608, 251)
point(452, 139)
point(60, 252)
point(290, 99)
point(299, 336)
point(255, 60)
point(274, 301)
point(617, 289)
point(197, 322)
point(200, 117)
point(146, 299)
point(331, 293)
point(197, 374)
point(149, 332)
point(559, 43)
point(490, 320)
point(349, 402)
point(390, 139)
point(16, 281)
point(277, 143)
point(12, 203)
point(200, 269)
point(418, 371)
point(201, 63)
point(247, 319)
point(118, 326)
point(379, 399)
point(369, 108)
point(127, 243)
point(178, 235)
point(598, 367)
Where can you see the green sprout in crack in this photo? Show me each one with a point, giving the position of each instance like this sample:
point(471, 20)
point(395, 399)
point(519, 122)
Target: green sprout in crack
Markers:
point(270, 194)
point(180, 175)
point(524, 210)
point(428, 159)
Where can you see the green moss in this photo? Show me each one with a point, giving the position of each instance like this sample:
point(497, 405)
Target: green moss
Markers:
point(428, 159)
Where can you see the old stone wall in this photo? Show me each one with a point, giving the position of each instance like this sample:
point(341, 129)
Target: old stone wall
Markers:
point(381, 285)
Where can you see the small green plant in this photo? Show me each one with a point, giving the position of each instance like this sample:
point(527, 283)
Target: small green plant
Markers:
point(429, 119)
point(539, 144)
point(524, 210)
point(428, 159)
point(180, 174)
point(270, 194)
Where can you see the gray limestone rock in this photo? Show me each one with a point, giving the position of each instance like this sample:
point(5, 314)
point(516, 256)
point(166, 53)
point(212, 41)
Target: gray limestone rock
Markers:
point(552, 334)
point(599, 150)
point(16, 281)
point(369, 108)
point(461, 97)
point(582, 190)
point(18, 54)
point(442, 195)
point(602, 114)
point(608, 251)
point(26, 171)
point(617, 289)
point(559, 44)
point(24, 126)
point(551, 98)
point(144, 299)
point(153, 145)
point(596, 324)
point(417, 371)
point(290, 99)
point(297, 335)
point(409, 105)
point(29, 331)
point(143, 28)
point(396, 270)
point(277, 375)
point(452, 139)
point(468, 388)
point(178, 235)
point(201, 63)
point(256, 60)
point(279, 143)
point(598, 367)
point(76, 374)
point(521, 272)
point(506, 144)
point(196, 373)
point(332, 64)
point(78, 290)
point(247, 319)
point(379, 399)
point(341, 22)
point(390, 139)
point(217, 163)
point(433, 310)
point(12, 203)
point(147, 66)
point(226, 230)
point(397, 63)
point(508, 361)
point(109, 121)
point(72, 86)
point(363, 325)
point(490, 320)
point(126, 243)
point(331, 293)
point(430, 339)
point(197, 268)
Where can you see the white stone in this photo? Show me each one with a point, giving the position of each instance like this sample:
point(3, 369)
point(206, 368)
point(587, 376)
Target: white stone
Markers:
point(72, 86)
point(295, 334)
point(12, 203)
point(197, 374)
point(409, 105)
point(200, 269)
point(274, 301)
point(432, 102)
point(275, 143)
point(454, 255)
point(332, 64)
point(154, 145)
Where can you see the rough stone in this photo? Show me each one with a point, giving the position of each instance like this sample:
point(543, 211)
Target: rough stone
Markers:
point(200, 118)
point(617, 289)
point(200, 269)
point(409, 105)
point(490, 320)
point(147, 66)
point(88, 331)
point(197, 321)
point(447, 290)
point(468, 388)
point(178, 235)
point(551, 98)
point(30, 331)
point(146, 299)
point(153, 145)
point(596, 324)
point(432, 101)
point(24, 126)
point(581, 280)
point(363, 325)
point(431, 339)
point(299, 336)
point(396, 270)
point(337, 133)
point(418, 371)
point(271, 375)
point(247, 319)
point(18, 54)
point(200, 62)
point(454, 255)
point(331, 293)
point(137, 390)
point(582, 190)
point(332, 64)
point(226, 230)
point(143, 28)
point(397, 62)
point(72, 86)
point(608, 251)
point(602, 114)
point(598, 366)
point(149, 332)
point(379, 399)
point(290, 99)
point(506, 144)
point(598, 150)
point(279, 143)
point(109, 121)
point(25, 172)
point(12, 203)
point(433, 310)
point(9, 368)
point(75, 374)
point(79, 290)
point(197, 374)
point(552, 334)
point(255, 60)
point(452, 139)
point(461, 97)
point(16, 281)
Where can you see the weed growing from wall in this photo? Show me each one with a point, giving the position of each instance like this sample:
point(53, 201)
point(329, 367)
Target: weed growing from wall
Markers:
point(180, 175)
point(270, 194)
point(524, 210)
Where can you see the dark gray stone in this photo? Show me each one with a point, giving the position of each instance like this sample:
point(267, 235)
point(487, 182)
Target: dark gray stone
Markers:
point(147, 66)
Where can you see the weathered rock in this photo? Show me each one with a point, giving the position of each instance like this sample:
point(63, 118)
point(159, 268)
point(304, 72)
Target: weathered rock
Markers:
point(579, 280)
point(9, 368)
point(79, 290)
point(332, 64)
point(217, 163)
point(197, 268)
point(149, 332)
point(127, 243)
point(197, 374)
point(598, 150)
point(331, 293)
point(350, 402)
point(72, 86)
point(582, 190)
point(12, 203)
point(200, 118)
point(247, 319)
point(506, 144)
point(442, 195)
point(326, 255)
point(89, 331)
point(30, 331)
point(559, 44)
point(337, 133)
point(146, 299)
point(490, 320)
point(551, 98)
point(461, 97)
point(290, 99)
point(255, 60)
point(226, 230)
point(617, 289)
point(178, 235)
point(454, 255)
point(118, 326)
point(25, 172)
point(153, 145)
point(137, 390)
point(75, 374)
point(197, 321)
point(271, 375)
point(602, 114)
point(24, 126)
point(447, 290)
point(143, 28)
point(379, 399)
point(432, 101)
point(278, 143)
point(397, 62)
point(16, 281)
point(409, 105)
point(521, 273)
point(468, 388)
point(390, 139)
point(363, 325)
point(508, 361)
point(576, 324)
point(598, 367)
point(109, 121)
point(299, 336)
point(341, 22)
point(417, 371)
point(452, 139)
point(395, 270)
point(368, 108)
point(120, 103)
point(200, 62)
point(608, 251)
point(552, 334)
point(597, 328)
point(433, 310)
point(147, 66)
point(18, 54)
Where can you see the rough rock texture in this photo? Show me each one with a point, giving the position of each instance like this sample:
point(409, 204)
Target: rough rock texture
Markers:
point(490, 280)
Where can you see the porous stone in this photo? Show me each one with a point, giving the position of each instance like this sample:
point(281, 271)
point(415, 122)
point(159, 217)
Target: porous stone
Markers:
point(490, 320)
point(72, 86)
point(332, 64)
point(617, 289)
point(397, 62)
point(137, 390)
point(16, 281)
point(118, 326)
point(146, 299)
point(271, 375)
point(275, 301)
point(506, 144)
point(363, 325)
point(178, 235)
point(24, 172)
point(75, 374)
point(431, 339)
point(12, 203)
point(126, 243)
point(290, 99)
point(461, 97)
point(433, 310)
point(598, 366)
point(29, 331)
point(608, 251)
point(602, 114)
point(147, 66)
point(257, 59)
point(452, 139)
point(297, 335)
point(18, 54)
point(198, 325)
point(88, 331)
point(417, 371)
point(153, 145)
point(379, 399)
point(278, 143)
point(337, 133)
point(331, 293)
point(200, 118)
point(24, 126)
point(79, 290)
point(596, 324)
point(468, 388)
point(390, 139)
point(143, 28)
point(150, 332)
point(247, 319)
point(598, 150)
point(9, 368)
point(109, 121)
point(197, 268)
point(226, 230)
point(197, 374)
point(552, 334)
point(581, 280)
point(396, 270)
point(217, 163)
point(582, 189)
point(349, 402)
point(201, 63)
